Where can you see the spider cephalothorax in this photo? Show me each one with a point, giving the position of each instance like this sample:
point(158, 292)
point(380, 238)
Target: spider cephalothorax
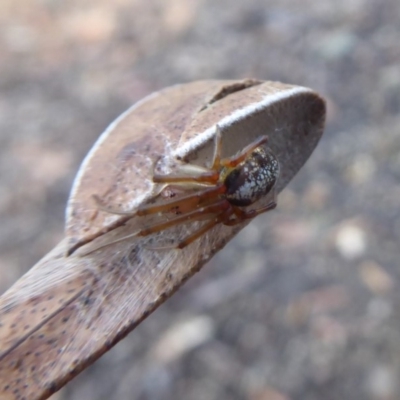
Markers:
point(223, 191)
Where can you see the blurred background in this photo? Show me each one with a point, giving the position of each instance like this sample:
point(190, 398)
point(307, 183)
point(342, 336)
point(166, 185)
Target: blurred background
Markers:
point(304, 303)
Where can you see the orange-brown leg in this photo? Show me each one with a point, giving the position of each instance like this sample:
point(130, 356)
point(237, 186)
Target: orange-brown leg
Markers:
point(233, 161)
point(216, 208)
point(189, 202)
point(216, 163)
point(225, 215)
point(220, 208)
point(210, 177)
point(242, 215)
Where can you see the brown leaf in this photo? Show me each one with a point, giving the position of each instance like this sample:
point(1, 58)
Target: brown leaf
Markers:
point(87, 294)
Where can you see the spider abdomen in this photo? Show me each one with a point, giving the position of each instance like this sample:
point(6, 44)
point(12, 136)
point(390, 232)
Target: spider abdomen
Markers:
point(253, 178)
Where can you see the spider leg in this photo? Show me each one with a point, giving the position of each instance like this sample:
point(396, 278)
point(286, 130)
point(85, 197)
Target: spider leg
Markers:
point(214, 208)
point(210, 177)
point(190, 201)
point(225, 215)
point(216, 163)
point(196, 215)
point(242, 215)
point(233, 161)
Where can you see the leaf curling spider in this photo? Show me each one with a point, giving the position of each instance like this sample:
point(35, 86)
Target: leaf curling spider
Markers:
point(225, 188)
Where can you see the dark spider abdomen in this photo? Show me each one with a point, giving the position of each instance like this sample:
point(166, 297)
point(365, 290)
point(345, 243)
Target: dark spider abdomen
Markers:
point(253, 178)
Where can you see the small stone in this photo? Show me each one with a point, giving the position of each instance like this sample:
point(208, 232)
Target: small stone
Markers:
point(183, 337)
point(382, 382)
point(375, 277)
point(351, 241)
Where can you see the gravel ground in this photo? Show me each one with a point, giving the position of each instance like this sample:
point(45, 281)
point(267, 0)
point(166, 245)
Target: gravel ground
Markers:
point(314, 313)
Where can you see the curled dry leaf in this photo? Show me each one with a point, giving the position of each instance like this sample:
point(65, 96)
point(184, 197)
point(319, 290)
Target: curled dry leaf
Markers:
point(95, 286)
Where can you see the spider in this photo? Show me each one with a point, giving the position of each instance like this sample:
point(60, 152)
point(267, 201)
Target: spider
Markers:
point(223, 191)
